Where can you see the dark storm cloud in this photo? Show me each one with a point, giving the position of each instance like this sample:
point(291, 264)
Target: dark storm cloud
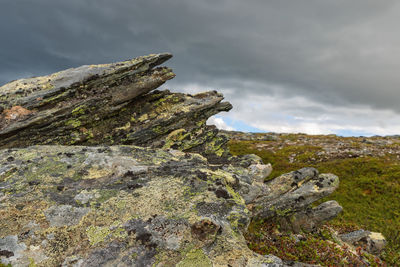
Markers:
point(338, 52)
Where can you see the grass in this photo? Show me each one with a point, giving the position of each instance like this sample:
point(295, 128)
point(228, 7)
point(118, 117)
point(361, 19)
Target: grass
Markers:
point(369, 188)
point(317, 248)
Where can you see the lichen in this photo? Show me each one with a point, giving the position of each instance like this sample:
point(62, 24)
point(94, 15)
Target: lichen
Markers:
point(75, 123)
point(97, 234)
point(80, 110)
point(195, 258)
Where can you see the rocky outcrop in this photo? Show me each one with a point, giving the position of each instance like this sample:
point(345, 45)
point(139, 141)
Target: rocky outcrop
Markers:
point(93, 206)
point(99, 105)
point(96, 169)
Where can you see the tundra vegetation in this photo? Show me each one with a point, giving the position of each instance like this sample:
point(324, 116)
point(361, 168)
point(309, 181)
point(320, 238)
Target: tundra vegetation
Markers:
point(369, 171)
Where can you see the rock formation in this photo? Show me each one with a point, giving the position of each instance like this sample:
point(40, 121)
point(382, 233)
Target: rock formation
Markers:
point(97, 169)
point(99, 105)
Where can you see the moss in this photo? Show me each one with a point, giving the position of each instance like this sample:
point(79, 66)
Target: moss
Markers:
point(200, 123)
point(195, 258)
point(162, 100)
point(55, 99)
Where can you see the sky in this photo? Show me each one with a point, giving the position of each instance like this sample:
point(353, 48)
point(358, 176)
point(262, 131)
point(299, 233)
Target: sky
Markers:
point(309, 66)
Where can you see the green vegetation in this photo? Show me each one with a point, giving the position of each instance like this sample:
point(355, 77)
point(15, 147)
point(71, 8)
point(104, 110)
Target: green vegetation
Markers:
point(369, 186)
point(316, 248)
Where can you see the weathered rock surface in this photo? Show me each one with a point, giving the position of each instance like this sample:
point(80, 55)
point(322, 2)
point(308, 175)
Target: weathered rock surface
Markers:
point(126, 205)
point(74, 191)
point(371, 242)
point(129, 205)
point(99, 105)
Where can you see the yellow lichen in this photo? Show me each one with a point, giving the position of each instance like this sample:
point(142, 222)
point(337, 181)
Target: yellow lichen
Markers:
point(97, 234)
point(195, 258)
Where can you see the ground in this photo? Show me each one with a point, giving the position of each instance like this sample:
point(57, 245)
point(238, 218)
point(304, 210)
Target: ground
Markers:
point(369, 172)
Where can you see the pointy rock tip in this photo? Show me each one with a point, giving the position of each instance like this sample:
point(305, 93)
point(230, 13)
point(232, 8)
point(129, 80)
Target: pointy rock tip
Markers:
point(23, 91)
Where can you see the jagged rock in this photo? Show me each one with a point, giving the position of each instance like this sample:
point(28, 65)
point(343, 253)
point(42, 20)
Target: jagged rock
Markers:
point(99, 105)
point(92, 204)
point(292, 194)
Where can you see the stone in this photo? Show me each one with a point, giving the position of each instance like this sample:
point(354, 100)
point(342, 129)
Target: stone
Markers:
point(97, 168)
point(10, 249)
point(64, 215)
point(375, 243)
point(260, 171)
point(110, 104)
point(293, 192)
point(371, 242)
point(273, 261)
point(311, 219)
point(146, 206)
point(354, 236)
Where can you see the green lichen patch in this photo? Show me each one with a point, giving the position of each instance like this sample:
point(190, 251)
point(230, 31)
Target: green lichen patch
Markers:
point(195, 258)
point(97, 234)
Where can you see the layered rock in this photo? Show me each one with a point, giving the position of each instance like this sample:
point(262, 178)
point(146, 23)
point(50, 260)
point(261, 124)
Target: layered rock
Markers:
point(99, 105)
point(86, 196)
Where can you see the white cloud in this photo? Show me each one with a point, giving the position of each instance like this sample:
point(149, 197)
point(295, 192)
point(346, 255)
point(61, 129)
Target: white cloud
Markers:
point(219, 122)
point(272, 112)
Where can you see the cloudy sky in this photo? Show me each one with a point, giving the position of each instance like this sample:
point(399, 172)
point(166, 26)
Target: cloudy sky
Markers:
point(312, 66)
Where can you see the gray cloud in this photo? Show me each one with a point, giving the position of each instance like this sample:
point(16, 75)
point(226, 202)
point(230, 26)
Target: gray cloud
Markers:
point(337, 52)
